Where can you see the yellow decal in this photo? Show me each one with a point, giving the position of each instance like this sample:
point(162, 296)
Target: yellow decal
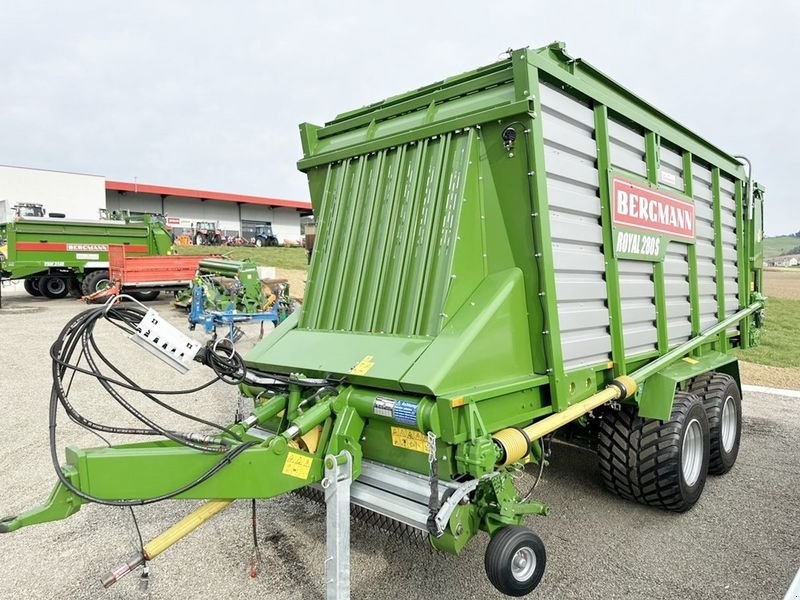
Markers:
point(363, 366)
point(691, 361)
point(297, 465)
point(456, 402)
point(409, 439)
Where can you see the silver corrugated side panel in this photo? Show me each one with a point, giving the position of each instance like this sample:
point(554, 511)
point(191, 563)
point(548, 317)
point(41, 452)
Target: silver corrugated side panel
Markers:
point(577, 234)
point(704, 228)
point(730, 264)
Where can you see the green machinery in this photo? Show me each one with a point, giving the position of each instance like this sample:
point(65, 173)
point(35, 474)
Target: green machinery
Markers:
point(56, 256)
point(521, 251)
point(227, 292)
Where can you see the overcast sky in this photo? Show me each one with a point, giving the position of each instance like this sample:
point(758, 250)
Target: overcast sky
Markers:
point(209, 94)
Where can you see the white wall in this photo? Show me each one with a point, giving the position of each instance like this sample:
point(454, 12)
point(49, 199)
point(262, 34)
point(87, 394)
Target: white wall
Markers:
point(76, 195)
point(191, 210)
point(285, 221)
point(144, 203)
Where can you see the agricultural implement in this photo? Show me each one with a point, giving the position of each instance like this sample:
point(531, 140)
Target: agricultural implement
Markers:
point(521, 251)
point(226, 293)
point(56, 256)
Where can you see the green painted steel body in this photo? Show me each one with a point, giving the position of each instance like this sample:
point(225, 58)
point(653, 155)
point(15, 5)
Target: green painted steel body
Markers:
point(36, 246)
point(439, 269)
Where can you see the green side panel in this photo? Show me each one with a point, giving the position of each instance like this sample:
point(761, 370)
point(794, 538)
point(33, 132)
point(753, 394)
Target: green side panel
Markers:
point(386, 238)
point(487, 340)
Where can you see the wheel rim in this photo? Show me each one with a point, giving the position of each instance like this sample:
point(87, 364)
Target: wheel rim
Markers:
point(692, 454)
point(523, 564)
point(56, 286)
point(728, 425)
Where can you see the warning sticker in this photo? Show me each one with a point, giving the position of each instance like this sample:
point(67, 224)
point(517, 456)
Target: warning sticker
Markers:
point(363, 366)
point(297, 465)
point(409, 439)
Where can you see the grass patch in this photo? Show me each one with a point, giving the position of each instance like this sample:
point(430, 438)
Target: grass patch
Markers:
point(779, 337)
point(282, 258)
point(780, 245)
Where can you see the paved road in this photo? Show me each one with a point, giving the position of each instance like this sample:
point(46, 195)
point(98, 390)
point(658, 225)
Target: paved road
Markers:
point(741, 541)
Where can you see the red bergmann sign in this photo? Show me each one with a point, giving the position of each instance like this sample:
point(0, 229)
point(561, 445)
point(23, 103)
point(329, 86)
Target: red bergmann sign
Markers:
point(639, 207)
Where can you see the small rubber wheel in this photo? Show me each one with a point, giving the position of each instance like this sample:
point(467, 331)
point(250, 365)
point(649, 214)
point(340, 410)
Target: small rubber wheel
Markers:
point(146, 296)
point(723, 403)
point(32, 287)
point(53, 287)
point(515, 560)
point(94, 282)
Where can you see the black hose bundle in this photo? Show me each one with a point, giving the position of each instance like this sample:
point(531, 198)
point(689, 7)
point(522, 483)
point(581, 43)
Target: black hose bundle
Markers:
point(78, 336)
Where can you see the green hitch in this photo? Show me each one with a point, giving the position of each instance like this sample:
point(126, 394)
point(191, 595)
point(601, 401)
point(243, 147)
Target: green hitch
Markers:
point(61, 504)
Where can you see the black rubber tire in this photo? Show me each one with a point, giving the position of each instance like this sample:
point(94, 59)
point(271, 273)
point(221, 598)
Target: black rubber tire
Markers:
point(500, 556)
point(92, 282)
point(31, 285)
point(714, 389)
point(259, 242)
point(53, 287)
point(145, 296)
point(641, 459)
point(272, 242)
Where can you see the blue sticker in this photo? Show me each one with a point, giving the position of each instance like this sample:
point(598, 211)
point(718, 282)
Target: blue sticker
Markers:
point(405, 412)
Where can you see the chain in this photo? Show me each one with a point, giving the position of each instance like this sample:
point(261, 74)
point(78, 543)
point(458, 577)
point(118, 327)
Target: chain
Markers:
point(434, 503)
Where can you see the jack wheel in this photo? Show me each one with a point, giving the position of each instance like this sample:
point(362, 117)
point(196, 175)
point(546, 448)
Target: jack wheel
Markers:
point(53, 287)
point(32, 287)
point(515, 560)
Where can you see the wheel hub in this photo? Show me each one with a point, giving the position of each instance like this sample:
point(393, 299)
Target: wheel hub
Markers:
point(523, 564)
point(692, 452)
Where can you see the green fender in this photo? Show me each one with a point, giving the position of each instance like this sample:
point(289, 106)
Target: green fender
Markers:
point(658, 391)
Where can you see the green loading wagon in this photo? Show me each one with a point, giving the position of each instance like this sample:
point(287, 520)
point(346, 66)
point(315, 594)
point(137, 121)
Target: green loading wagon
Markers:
point(54, 256)
point(521, 251)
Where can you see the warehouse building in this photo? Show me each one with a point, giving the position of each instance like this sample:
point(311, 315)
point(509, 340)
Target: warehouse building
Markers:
point(82, 196)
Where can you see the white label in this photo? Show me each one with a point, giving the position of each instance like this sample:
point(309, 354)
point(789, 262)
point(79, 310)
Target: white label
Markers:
point(668, 177)
point(53, 263)
point(80, 256)
point(87, 247)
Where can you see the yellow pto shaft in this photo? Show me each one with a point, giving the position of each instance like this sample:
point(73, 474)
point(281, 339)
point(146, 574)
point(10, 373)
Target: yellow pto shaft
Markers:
point(515, 443)
point(163, 541)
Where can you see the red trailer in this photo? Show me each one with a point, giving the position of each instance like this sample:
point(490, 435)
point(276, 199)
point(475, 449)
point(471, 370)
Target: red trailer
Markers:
point(144, 277)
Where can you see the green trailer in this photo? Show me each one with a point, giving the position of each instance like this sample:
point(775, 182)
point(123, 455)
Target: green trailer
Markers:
point(56, 256)
point(523, 251)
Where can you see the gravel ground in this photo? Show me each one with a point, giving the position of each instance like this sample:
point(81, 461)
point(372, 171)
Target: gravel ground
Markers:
point(741, 541)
